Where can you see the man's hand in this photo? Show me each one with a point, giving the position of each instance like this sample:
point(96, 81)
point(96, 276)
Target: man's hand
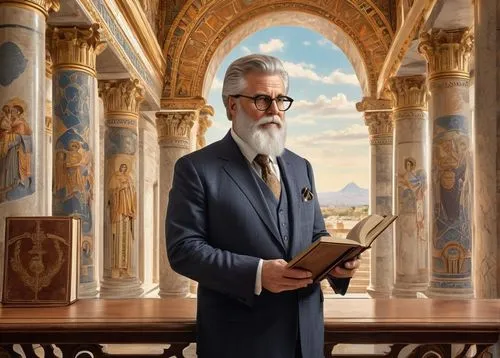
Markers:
point(277, 278)
point(347, 270)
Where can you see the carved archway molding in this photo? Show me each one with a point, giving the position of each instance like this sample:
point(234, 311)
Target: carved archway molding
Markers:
point(205, 31)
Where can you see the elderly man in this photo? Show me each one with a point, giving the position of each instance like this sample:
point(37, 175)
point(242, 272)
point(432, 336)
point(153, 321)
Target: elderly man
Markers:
point(236, 215)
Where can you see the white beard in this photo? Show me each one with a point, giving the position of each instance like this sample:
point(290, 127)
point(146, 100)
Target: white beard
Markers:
point(268, 141)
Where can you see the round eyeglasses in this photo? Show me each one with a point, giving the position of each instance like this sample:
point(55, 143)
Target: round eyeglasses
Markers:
point(263, 102)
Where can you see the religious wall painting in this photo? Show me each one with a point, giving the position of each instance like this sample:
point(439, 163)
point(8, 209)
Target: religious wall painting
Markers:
point(12, 63)
point(73, 179)
point(17, 178)
point(87, 260)
point(452, 195)
point(73, 160)
point(412, 189)
point(121, 211)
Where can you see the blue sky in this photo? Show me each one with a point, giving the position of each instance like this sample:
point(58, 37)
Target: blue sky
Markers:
point(323, 124)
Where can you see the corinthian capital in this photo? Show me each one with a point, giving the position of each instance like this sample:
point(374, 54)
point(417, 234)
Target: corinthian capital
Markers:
point(409, 92)
point(174, 128)
point(447, 51)
point(76, 47)
point(373, 104)
point(380, 127)
point(44, 6)
point(204, 122)
point(121, 96)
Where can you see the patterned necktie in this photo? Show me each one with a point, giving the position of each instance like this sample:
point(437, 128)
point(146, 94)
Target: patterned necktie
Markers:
point(268, 175)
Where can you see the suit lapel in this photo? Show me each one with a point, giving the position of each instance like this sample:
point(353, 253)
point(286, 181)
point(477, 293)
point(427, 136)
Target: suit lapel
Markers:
point(239, 170)
point(289, 176)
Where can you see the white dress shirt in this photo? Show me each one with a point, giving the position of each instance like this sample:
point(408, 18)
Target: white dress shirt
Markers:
point(249, 153)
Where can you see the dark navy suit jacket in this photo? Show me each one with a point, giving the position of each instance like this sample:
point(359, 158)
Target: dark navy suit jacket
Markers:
point(218, 227)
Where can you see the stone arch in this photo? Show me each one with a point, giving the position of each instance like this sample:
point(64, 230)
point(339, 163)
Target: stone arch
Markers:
point(203, 32)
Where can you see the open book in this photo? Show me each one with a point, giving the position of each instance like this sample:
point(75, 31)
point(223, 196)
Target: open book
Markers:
point(327, 252)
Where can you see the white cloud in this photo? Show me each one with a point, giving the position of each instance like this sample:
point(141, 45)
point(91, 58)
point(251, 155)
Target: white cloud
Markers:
point(306, 43)
point(305, 70)
point(324, 42)
point(272, 45)
point(246, 50)
point(354, 135)
point(301, 70)
point(323, 108)
point(338, 77)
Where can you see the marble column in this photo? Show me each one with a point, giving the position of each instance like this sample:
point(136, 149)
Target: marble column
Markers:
point(24, 190)
point(485, 127)
point(204, 122)
point(74, 93)
point(121, 99)
point(174, 129)
point(451, 175)
point(378, 118)
point(410, 185)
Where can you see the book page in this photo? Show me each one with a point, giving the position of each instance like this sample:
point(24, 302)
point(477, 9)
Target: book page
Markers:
point(360, 231)
point(380, 228)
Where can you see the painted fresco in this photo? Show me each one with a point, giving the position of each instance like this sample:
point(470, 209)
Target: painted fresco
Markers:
point(452, 193)
point(121, 207)
point(413, 239)
point(73, 160)
point(16, 152)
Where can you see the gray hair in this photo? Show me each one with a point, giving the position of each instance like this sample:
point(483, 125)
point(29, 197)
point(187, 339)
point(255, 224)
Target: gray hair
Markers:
point(234, 80)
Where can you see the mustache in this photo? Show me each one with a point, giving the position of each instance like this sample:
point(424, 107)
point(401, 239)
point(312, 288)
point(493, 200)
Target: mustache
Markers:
point(270, 119)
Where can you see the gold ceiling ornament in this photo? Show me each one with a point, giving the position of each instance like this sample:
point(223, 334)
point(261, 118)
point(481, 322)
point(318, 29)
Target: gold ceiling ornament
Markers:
point(409, 92)
point(121, 97)
point(43, 6)
point(380, 127)
point(447, 52)
point(368, 104)
point(76, 48)
point(200, 28)
point(174, 128)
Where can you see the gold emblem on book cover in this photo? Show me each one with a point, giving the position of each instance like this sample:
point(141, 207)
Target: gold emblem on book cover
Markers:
point(37, 275)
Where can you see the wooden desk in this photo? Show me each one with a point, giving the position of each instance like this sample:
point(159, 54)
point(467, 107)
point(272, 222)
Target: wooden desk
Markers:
point(432, 323)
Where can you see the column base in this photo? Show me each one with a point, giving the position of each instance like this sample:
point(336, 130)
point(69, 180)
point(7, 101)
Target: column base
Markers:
point(88, 290)
point(120, 288)
point(378, 292)
point(174, 285)
point(409, 290)
point(450, 293)
point(168, 293)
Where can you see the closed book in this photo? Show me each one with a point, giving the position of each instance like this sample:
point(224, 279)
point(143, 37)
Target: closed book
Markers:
point(41, 261)
point(327, 252)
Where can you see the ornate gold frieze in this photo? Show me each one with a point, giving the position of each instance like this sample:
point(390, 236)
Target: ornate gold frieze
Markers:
point(380, 127)
point(409, 92)
point(373, 104)
point(174, 128)
point(44, 6)
point(194, 103)
point(203, 124)
point(76, 48)
point(121, 97)
point(447, 52)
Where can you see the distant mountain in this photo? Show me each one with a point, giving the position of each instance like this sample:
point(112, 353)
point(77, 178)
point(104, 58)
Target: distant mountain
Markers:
point(350, 195)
